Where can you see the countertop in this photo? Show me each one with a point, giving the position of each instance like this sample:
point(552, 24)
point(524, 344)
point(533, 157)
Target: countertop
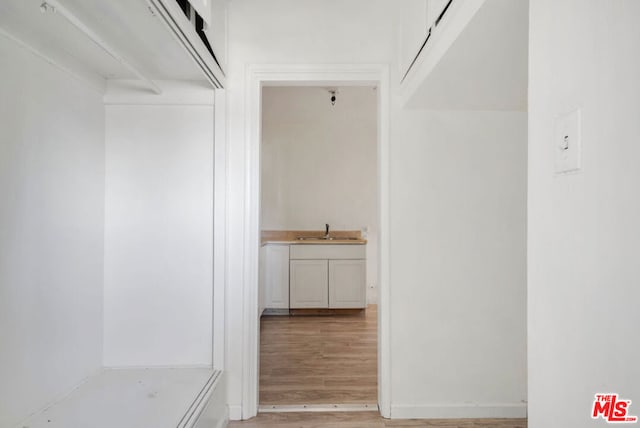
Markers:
point(289, 237)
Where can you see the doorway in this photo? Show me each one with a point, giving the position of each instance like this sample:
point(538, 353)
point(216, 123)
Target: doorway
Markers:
point(318, 328)
point(318, 76)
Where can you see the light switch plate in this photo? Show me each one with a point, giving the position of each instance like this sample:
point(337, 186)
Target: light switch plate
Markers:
point(567, 142)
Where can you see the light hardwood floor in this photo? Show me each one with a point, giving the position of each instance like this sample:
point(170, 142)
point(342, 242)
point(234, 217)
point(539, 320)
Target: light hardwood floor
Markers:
point(319, 359)
point(366, 420)
point(330, 360)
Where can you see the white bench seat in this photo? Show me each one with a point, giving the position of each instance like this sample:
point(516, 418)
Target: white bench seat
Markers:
point(140, 398)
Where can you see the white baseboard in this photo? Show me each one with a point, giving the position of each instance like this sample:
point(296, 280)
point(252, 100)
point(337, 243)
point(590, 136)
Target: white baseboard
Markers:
point(459, 411)
point(235, 413)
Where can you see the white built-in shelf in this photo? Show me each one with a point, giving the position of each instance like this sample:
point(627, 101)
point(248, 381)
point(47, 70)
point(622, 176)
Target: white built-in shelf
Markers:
point(133, 398)
point(98, 41)
point(474, 59)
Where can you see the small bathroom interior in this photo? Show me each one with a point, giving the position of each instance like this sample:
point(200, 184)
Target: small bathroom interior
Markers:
point(318, 254)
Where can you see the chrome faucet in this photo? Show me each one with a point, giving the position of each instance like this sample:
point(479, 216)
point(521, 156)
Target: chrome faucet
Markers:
point(326, 231)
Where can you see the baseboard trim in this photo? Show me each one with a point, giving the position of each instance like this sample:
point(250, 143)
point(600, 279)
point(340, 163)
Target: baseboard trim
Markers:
point(235, 413)
point(459, 411)
point(276, 312)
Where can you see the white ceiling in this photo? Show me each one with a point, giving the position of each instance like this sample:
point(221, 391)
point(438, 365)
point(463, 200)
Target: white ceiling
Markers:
point(128, 26)
point(486, 66)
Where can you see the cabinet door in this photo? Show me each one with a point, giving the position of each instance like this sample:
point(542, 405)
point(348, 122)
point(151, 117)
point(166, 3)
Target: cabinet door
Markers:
point(262, 280)
point(412, 31)
point(434, 9)
point(347, 288)
point(277, 277)
point(217, 31)
point(309, 284)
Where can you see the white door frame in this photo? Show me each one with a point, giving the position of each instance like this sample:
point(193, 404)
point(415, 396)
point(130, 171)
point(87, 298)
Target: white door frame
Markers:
point(258, 76)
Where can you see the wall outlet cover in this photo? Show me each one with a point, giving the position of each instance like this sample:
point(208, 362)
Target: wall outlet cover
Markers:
point(567, 142)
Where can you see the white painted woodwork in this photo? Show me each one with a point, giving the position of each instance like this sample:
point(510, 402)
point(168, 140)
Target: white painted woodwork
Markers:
point(434, 9)
point(203, 7)
point(416, 17)
point(262, 280)
point(182, 28)
point(276, 267)
point(327, 251)
point(140, 398)
point(244, 208)
point(456, 72)
point(134, 30)
point(216, 411)
point(217, 30)
point(309, 284)
point(412, 31)
point(347, 283)
point(174, 92)
point(440, 41)
point(219, 230)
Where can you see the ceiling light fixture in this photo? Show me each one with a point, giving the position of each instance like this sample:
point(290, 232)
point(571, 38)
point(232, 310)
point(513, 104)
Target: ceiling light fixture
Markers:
point(46, 7)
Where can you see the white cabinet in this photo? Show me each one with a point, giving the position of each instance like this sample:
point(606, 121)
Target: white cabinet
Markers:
point(262, 280)
point(309, 281)
point(347, 283)
point(276, 276)
point(416, 18)
point(217, 31)
point(326, 251)
point(412, 31)
point(327, 276)
point(434, 10)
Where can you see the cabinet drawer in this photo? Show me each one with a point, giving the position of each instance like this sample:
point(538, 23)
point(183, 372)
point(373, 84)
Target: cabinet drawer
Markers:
point(326, 251)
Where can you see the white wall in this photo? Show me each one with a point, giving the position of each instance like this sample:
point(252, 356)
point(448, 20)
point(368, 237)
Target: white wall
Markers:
point(584, 262)
point(283, 31)
point(458, 253)
point(319, 163)
point(158, 235)
point(51, 232)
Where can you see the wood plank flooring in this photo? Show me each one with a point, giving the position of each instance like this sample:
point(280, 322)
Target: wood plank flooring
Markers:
point(366, 420)
point(330, 360)
point(319, 359)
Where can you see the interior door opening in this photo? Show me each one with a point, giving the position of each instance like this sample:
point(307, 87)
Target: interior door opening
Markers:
point(319, 247)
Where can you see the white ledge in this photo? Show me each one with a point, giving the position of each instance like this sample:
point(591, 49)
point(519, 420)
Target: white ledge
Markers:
point(136, 398)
